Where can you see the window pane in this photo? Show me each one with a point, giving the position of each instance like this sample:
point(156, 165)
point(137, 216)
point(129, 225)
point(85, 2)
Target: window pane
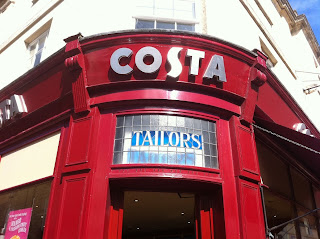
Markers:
point(32, 49)
point(185, 27)
point(316, 193)
point(279, 211)
point(36, 48)
point(41, 43)
point(307, 225)
point(38, 58)
point(165, 25)
point(144, 24)
point(273, 171)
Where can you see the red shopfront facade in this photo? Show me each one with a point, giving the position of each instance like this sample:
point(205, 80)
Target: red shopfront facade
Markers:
point(156, 135)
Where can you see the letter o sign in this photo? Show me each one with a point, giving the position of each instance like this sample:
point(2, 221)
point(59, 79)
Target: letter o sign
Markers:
point(148, 51)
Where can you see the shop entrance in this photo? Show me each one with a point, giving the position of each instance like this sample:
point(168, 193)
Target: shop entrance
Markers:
point(173, 211)
point(158, 215)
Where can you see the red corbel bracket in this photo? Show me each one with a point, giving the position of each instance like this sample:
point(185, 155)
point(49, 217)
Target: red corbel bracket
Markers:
point(257, 76)
point(256, 79)
point(75, 65)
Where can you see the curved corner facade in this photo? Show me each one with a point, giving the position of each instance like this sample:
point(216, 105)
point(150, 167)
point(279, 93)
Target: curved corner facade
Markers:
point(156, 134)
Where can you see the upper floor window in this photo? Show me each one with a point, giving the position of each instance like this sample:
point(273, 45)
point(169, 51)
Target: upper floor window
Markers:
point(166, 14)
point(36, 48)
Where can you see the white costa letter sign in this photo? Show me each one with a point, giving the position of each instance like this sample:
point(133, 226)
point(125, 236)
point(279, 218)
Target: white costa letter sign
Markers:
point(215, 68)
point(11, 108)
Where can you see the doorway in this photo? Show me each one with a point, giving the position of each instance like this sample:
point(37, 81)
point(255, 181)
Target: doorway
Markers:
point(177, 210)
point(158, 215)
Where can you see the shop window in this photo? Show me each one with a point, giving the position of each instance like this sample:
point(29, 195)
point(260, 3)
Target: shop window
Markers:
point(165, 139)
point(279, 211)
point(23, 211)
point(307, 224)
point(166, 14)
point(302, 189)
point(316, 193)
point(273, 171)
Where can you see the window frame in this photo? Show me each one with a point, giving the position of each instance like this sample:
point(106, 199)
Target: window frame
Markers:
point(35, 42)
point(148, 164)
point(188, 21)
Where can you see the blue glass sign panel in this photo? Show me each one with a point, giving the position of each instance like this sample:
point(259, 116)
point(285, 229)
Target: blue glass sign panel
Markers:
point(165, 139)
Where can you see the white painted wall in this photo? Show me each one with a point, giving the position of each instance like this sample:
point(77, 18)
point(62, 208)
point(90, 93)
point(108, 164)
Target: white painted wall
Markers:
point(238, 21)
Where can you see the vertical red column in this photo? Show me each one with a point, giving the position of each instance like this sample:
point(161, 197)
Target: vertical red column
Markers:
point(247, 179)
point(229, 188)
point(78, 205)
point(241, 194)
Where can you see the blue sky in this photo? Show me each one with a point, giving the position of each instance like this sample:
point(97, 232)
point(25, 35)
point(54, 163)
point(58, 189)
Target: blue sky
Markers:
point(311, 8)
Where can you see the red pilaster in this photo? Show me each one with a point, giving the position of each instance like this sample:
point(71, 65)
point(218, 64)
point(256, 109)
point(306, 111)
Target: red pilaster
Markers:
point(80, 192)
point(247, 179)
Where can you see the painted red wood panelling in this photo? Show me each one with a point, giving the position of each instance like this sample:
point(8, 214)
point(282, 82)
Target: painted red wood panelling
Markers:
point(244, 151)
point(252, 221)
point(73, 206)
point(79, 141)
point(248, 157)
point(116, 215)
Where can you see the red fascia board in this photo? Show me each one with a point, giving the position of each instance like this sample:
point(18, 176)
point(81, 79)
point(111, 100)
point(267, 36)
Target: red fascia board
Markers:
point(174, 95)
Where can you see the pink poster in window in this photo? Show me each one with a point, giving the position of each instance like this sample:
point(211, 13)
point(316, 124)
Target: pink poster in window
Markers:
point(18, 224)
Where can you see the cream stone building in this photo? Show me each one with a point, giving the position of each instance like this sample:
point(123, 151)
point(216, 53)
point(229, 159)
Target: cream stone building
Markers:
point(33, 30)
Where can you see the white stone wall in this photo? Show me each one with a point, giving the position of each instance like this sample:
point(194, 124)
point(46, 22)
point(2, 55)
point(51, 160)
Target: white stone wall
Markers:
point(242, 22)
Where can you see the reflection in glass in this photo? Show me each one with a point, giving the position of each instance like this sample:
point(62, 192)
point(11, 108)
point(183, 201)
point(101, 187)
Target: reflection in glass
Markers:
point(279, 211)
point(165, 25)
point(144, 24)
